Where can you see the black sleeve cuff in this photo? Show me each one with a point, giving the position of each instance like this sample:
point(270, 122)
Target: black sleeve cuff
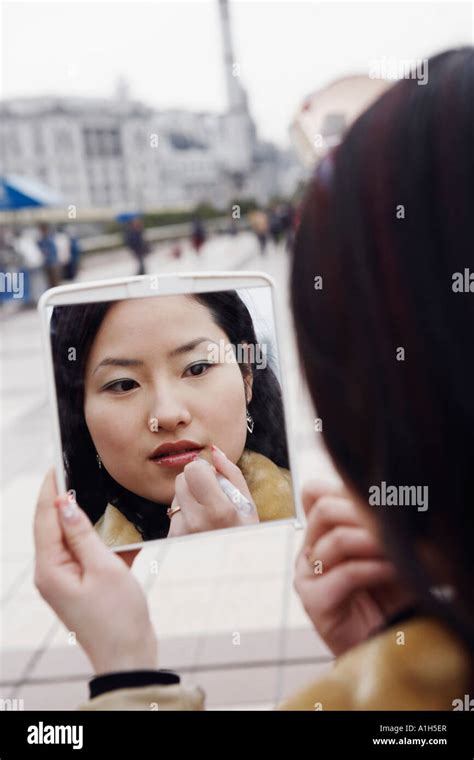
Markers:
point(131, 679)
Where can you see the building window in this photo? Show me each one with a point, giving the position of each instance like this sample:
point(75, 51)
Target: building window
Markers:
point(43, 174)
point(38, 139)
point(334, 125)
point(180, 141)
point(13, 145)
point(63, 141)
point(90, 143)
point(102, 142)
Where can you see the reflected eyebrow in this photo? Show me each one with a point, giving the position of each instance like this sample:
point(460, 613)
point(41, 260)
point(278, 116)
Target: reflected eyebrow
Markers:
point(189, 346)
point(185, 348)
point(112, 362)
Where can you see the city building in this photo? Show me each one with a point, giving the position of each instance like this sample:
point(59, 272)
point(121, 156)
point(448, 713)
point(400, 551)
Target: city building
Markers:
point(325, 115)
point(116, 152)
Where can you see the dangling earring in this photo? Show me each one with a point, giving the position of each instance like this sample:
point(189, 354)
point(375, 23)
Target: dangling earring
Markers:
point(99, 460)
point(250, 422)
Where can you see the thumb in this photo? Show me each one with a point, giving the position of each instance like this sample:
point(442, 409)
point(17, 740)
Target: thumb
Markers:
point(79, 533)
point(230, 471)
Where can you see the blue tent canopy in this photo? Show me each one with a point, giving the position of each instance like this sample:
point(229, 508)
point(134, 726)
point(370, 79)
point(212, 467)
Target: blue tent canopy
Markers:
point(18, 192)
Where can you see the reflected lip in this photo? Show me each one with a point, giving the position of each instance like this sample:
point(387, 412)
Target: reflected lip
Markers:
point(178, 447)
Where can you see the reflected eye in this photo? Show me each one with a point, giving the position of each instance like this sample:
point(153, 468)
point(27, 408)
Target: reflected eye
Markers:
point(200, 368)
point(121, 386)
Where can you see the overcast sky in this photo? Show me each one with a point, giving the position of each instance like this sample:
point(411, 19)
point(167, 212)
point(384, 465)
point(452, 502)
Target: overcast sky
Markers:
point(171, 54)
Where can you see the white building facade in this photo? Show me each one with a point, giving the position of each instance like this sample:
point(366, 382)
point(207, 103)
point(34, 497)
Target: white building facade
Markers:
point(97, 152)
point(111, 153)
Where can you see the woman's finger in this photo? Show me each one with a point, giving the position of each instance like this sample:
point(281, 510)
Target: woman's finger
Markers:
point(328, 512)
point(177, 524)
point(230, 471)
point(315, 489)
point(345, 543)
point(80, 536)
point(192, 512)
point(339, 584)
point(47, 528)
point(243, 510)
point(201, 479)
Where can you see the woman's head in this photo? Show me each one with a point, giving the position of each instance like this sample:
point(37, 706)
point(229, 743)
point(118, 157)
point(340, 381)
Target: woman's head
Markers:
point(145, 374)
point(149, 370)
point(386, 344)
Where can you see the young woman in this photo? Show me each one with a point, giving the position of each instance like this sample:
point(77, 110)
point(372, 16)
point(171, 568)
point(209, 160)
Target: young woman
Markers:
point(386, 349)
point(148, 386)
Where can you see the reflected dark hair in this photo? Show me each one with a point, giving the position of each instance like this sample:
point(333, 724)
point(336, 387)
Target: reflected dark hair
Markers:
point(386, 223)
point(73, 328)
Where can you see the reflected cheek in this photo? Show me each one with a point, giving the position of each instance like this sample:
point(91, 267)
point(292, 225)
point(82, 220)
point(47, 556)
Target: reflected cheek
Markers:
point(226, 423)
point(112, 430)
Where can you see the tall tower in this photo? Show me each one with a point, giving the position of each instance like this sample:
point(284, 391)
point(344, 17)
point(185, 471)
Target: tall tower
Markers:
point(122, 89)
point(239, 127)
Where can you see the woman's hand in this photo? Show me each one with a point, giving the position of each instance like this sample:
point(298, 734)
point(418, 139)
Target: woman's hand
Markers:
point(89, 587)
point(344, 580)
point(203, 504)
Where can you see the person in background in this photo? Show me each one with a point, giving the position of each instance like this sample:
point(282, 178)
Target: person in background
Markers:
point(394, 598)
point(233, 228)
point(72, 267)
point(135, 240)
point(289, 225)
point(198, 234)
point(49, 251)
point(176, 251)
point(259, 223)
point(276, 223)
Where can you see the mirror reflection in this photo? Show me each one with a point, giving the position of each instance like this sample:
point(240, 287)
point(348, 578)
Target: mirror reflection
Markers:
point(171, 413)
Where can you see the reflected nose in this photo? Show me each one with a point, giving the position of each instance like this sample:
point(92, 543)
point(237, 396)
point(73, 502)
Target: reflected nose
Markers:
point(168, 412)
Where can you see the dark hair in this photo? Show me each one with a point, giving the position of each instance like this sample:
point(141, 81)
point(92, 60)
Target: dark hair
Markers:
point(386, 223)
point(75, 327)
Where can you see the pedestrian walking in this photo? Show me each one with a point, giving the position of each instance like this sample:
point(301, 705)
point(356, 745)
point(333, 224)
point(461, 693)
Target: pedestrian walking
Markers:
point(135, 240)
point(49, 251)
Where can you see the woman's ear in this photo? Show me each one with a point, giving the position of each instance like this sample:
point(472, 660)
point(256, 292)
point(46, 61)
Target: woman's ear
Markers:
point(247, 374)
point(248, 383)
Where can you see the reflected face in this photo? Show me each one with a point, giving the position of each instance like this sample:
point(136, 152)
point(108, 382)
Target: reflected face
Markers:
point(154, 400)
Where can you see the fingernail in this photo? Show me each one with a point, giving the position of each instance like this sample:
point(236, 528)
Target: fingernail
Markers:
point(68, 509)
point(64, 497)
point(217, 450)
